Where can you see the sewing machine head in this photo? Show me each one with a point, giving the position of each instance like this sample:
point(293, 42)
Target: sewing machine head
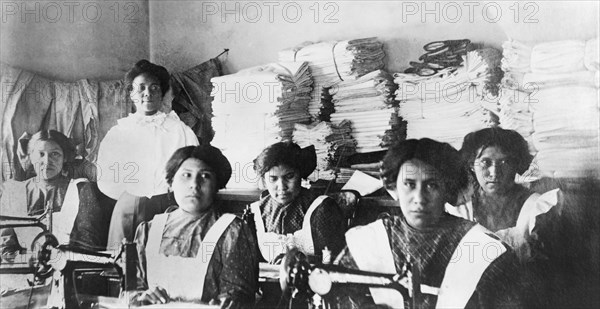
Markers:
point(77, 277)
point(303, 281)
point(80, 276)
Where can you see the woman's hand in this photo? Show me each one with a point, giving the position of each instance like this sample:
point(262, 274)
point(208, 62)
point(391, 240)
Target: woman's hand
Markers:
point(226, 303)
point(155, 295)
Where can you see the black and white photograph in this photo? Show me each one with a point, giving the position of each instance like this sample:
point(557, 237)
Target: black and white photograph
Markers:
point(306, 154)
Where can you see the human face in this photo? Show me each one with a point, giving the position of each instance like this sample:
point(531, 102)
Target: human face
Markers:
point(421, 194)
point(283, 183)
point(194, 186)
point(47, 158)
point(146, 94)
point(495, 171)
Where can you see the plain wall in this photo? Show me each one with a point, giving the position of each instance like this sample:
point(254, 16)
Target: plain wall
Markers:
point(70, 40)
point(181, 34)
point(185, 33)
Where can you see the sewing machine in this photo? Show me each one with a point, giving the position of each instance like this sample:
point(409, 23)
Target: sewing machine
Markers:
point(78, 276)
point(308, 284)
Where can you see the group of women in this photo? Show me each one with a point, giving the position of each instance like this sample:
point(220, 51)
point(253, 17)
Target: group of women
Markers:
point(193, 252)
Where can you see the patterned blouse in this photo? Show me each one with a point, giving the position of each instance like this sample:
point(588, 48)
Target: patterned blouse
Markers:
point(431, 251)
point(327, 222)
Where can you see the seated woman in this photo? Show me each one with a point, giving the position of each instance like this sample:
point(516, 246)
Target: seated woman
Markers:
point(77, 217)
point(290, 213)
point(133, 153)
point(458, 263)
point(494, 156)
point(195, 254)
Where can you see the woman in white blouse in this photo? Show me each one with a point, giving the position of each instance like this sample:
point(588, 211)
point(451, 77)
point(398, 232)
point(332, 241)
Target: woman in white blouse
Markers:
point(133, 152)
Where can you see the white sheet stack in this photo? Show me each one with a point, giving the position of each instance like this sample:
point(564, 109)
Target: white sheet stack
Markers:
point(560, 80)
point(371, 169)
point(255, 108)
point(448, 105)
point(514, 102)
point(515, 114)
point(335, 61)
point(369, 103)
point(333, 144)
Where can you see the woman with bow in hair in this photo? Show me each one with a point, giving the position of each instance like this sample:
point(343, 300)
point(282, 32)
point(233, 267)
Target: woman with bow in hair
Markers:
point(78, 219)
point(290, 214)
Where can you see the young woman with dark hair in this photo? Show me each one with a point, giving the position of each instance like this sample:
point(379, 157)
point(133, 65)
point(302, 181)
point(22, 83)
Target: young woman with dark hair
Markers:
point(493, 157)
point(133, 153)
point(448, 255)
point(289, 213)
point(195, 253)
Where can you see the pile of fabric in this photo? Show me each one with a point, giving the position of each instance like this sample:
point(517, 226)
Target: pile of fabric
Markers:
point(559, 83)
point(333, 144)
point(515, 114)
point(345, 173)
point(255, 108)
point(454, 101)
point(369, 103)
point(84, 110)
point(191, 97)
point(335, 61)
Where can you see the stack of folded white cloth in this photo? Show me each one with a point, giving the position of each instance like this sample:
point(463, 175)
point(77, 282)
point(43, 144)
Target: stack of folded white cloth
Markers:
point(551, 64)
point(333, 145)
point(449, 104)
point(369, 103)
point(335, 61)
point(344, 174)
point(566, 131)
point(255, 108)
point(371, 169)
point(515, 114)
point(559, 82)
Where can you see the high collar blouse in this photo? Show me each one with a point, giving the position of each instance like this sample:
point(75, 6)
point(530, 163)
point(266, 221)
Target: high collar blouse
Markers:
point(133, 154)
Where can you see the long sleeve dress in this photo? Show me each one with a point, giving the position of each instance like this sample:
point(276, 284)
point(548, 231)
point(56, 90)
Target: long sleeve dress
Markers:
point(432, 252)
point(133, 154)
point(231, 262)
point(512, 221)
point(326, 224)
point(78, 219)
point(131, 164)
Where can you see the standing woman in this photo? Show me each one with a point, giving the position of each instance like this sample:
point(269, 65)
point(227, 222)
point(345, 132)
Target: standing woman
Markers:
point(290, 213)
point(494, 156)
point(195, 253)
point(133, 153)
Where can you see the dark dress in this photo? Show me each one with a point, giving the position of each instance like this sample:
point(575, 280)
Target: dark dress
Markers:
point(90, 227)
point(233, 268)
point(431, 252)
point(327, 222)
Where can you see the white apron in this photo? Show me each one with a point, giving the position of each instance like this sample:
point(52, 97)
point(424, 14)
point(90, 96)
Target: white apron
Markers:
point(370, 248)
point(272, 245)
point(63, 221)
point(182, 277)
